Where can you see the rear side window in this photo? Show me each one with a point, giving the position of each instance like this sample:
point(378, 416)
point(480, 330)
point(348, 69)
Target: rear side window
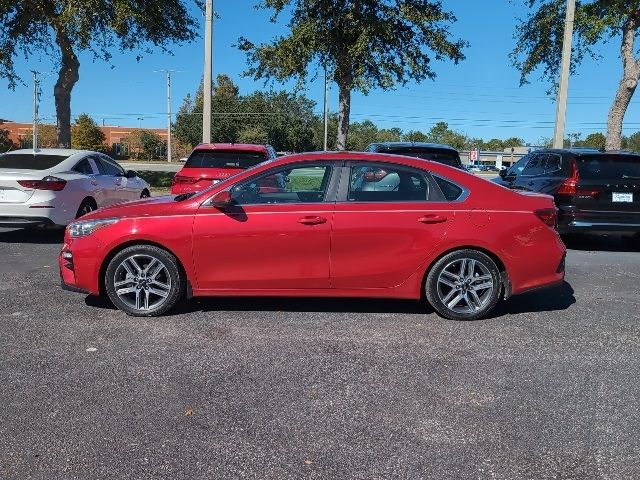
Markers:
point(553, 163)
point(108, 168)
point(37, 161)
point(535, 166)
point(224, 159)
point(383, 183)
point(446, 157)
point(610, 167)
point(451, 191)
point(84, 167)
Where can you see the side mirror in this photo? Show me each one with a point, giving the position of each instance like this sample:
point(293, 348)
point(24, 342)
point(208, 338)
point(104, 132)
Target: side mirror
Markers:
point(130, 174)
point(503, 174)
point(221, 199)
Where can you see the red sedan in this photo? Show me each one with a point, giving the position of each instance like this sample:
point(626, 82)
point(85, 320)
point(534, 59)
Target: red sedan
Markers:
point(330, 229)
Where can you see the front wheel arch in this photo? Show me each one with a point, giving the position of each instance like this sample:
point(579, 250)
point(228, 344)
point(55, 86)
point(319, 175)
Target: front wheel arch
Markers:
point(105, 263)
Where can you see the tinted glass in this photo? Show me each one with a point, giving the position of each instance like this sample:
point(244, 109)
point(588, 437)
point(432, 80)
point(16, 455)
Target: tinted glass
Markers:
point(224, 159)
point(84, 167)
point(38, 161)
point(553, 163)
point(289, 185)
point(451, 191)
point(108, 168)
point(373, 183)
point(609, 167)
point(446, 157)
point(535, 165)
point(519, 166)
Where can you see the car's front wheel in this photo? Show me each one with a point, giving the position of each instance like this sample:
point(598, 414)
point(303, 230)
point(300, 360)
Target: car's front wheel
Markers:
point(464, 285)
point(144, 281)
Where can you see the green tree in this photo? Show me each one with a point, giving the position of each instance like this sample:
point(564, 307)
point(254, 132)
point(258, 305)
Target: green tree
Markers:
point(633, 142)
point(151, 144)
point(47, 136)
point(495, 145)
point(86, 135)
point(6, 143)
point(363, 44)
point(414, 136)
point(389, 135)
point(252, 134)
point(63, 28)
point(595, 140)
point(361, 135)
point(440, 133)
point(513, 142)
point(539, 45)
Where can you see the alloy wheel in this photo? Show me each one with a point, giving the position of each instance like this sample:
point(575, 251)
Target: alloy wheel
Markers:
point(142, 282)
point(465, 286)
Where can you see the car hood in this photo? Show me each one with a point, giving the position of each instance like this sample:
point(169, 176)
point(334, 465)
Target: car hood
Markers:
point(146, 207)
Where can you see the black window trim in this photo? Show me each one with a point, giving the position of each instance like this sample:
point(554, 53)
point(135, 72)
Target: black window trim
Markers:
point(343, 192)
point(332, 187)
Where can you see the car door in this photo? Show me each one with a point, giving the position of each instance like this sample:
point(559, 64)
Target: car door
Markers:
point(276, 236)
point(380, 238)
point(111, 181)
point(130, 188)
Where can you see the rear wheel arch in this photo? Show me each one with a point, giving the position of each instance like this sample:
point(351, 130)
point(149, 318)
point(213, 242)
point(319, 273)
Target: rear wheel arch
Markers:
point(498, 261)
point(145, 193)
point(117, 249)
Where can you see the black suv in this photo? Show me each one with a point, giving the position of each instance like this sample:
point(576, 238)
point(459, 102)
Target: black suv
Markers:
point(593, 190)
point(427, 151)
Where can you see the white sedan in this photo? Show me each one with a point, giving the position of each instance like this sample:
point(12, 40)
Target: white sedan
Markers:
point(56, 186)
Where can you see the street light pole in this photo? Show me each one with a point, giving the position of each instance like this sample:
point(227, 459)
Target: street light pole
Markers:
point(206, 90)
point(169, 116)
point(561, 111)
point(36, 101)
point(326, 111)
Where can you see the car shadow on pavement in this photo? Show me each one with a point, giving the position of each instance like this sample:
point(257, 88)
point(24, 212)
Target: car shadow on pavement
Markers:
point(545, 300)
point(44, 236)
point(601, 242)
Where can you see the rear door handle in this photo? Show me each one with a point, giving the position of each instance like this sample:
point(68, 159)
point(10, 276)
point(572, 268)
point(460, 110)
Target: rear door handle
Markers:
point(312, 220)
point(430, 219)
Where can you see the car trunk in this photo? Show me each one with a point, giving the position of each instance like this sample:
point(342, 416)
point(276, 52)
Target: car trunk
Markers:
point(608, 184)
point(11, 192)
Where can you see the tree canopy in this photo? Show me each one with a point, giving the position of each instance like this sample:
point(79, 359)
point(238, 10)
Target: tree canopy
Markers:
point(62, 28)
point(86, 135)
point(362, 44)
point(539, 46)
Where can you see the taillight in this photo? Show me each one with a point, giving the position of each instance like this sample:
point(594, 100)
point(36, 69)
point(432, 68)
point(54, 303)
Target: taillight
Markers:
point(549, 216)
point(570, 185)
point(375, 176)
point(181, 179)
point(47, 183)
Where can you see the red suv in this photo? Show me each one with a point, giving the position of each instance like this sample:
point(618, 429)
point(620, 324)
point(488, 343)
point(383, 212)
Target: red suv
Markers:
point(211, 163)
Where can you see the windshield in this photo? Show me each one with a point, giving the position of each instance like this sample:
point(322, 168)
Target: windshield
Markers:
point(609, 167)
point(446, 157)
point(25, 161)
point(224, 159)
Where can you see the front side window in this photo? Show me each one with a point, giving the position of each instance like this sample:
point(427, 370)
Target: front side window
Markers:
point(384, 183)
point(288, 185)
point(108, 168)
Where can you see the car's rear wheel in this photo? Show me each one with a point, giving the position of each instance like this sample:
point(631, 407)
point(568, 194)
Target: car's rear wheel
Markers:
point(88, 205)
point(144, 281)
point(464, 285)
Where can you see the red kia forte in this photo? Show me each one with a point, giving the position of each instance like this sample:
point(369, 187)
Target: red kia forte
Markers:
point(316, 225)
point(211, 163)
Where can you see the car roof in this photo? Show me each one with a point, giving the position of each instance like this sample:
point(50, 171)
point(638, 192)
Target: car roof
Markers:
point(587, 151)
point(413, 144)
point(49, 151)
point(246, 147)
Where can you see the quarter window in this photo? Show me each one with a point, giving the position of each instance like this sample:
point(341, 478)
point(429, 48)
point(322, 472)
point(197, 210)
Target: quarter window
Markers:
point(290, 185)
point(383, 183)
point(451, 191)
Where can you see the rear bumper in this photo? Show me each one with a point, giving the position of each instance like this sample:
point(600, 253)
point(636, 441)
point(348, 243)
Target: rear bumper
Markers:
point(24, 221)
point(588, 221)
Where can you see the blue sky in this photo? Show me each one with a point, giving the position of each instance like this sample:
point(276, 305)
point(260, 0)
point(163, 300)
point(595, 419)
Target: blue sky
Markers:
point(479, 97)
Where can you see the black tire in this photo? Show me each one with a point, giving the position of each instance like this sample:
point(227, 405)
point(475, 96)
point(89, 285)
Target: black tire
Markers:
point(145, 194)
point(469, 307)
point(88, 205)
point(171, 277)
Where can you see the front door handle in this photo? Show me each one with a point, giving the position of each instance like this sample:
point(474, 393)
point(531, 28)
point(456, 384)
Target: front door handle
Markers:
point(430, 219)
point(312, 220)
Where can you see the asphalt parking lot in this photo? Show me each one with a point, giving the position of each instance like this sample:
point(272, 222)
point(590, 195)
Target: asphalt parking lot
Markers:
point(280, 388)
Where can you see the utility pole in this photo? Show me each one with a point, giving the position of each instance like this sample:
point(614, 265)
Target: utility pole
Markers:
point(326, 111)
point(36, 105)
point(561, 111)
point(169, 116)
point(206, 91)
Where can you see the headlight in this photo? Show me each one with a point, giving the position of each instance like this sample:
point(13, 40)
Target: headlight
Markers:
point(87, 227)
